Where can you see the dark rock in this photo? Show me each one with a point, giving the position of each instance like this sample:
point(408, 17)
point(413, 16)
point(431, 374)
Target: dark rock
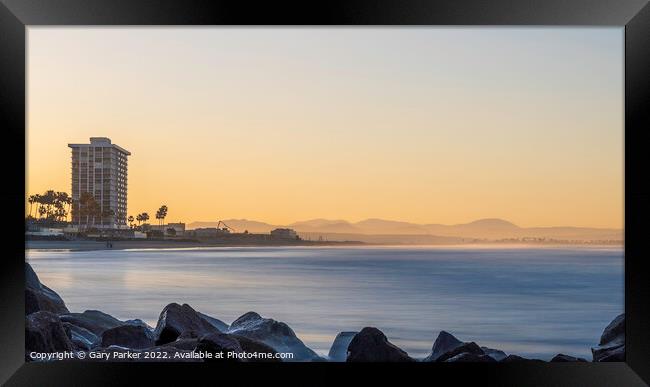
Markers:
point(40, 297)
point(219, 344)
point(138, 322)
point(273, 333)
point(339, 349)
point(31, 302)
point(220, 325)
point(444, 343)
point(494, 353)
point(515, 359)
point(612, 342)
point(371, 345)
point(562, 358)
point(614, 332)
point(81, 338)
point(44, 332)
point(86, 330)
point(609, 354)
point(471, 348)
point(93, 320)
point(252, 346)
point(181, 321)
point(31, 279)
point(128, 336)
point(447, 347)
point(244, 319)
point(467, 357)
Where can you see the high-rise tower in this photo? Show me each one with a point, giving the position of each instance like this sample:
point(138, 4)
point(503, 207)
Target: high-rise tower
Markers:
point(99, 168)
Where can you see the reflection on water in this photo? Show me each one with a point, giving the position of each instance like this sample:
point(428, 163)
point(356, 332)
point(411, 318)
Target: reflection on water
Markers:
point(533, 302)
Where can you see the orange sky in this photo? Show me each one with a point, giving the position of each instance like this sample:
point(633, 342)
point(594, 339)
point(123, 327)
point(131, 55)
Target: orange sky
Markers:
point(428, 125)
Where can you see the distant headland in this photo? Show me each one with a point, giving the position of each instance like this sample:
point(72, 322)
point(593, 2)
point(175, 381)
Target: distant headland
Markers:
point(380, 231)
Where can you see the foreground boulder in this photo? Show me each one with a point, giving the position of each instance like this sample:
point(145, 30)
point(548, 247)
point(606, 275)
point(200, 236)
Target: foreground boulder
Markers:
point(44, 333)
point(562, 358)
point(252, 346)
point(39, 297)
point(371, 345)
point(181, 321)
point(445, 342)
point(339, 349)
point(220, 345)
point(273, 333)
point(467, 357)
point(446, 347)
point(465, 348)
point(81, 338)
point(93, 320)
point(233, 348)
point(496, 354)
point(128, 336)
point(220, 325)
point(137, 321)
point(612, 342)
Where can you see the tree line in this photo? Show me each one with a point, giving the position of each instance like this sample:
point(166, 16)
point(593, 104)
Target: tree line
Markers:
point(50, 205)
point(57, 206)
point(142, 218)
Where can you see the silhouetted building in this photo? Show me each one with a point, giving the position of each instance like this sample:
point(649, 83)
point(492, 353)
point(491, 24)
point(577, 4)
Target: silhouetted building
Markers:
point(100, 168)
point(179, 228)
point(206, 232)
point(284, 233)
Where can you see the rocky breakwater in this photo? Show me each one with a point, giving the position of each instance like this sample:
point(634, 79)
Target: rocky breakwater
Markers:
point(180, 330)
point(181, 333)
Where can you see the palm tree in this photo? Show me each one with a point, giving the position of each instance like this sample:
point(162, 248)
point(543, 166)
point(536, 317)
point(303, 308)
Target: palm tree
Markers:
point(60, 213)
point(145, 217)
point(31, 200)
point(41, 211)
point(59, 209)
point(86, 206)
point(49, 199)
point(130, 220)
point(161, 214)
point(64, 200)
point(39, 201)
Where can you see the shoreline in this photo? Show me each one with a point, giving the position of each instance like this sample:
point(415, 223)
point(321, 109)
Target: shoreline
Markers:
point(91, 245)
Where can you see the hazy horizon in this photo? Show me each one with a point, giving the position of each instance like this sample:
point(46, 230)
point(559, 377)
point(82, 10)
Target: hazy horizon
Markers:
point(385, 231)
point(420, 125)
point(393, 220)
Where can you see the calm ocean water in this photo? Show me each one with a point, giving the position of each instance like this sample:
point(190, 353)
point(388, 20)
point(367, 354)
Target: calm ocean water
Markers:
point(527, 301)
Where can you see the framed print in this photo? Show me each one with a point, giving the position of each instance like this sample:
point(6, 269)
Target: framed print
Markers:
point(277, 192)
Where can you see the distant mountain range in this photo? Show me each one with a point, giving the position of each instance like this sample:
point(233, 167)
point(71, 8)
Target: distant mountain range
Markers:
point(380, 229)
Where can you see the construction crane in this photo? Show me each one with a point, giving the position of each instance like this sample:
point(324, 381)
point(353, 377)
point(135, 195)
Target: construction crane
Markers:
point(225, 228)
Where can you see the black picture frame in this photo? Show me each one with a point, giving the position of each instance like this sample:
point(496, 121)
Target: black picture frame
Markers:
point(633, 15)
